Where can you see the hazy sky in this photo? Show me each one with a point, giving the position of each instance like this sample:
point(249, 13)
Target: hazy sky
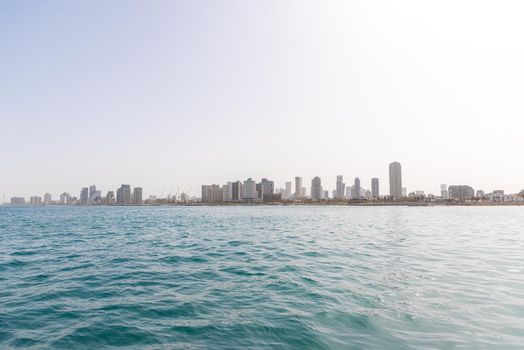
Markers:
point(167, 94)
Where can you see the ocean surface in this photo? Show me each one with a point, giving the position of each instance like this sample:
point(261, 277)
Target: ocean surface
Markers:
point(262, 277)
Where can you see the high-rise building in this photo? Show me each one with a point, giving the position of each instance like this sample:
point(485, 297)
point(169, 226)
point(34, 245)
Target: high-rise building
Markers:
point(137, 195)
point(298, 187)
point(236, 191)
point(316, 189)
point(356, 189)
point(266, 188)
point(227, 192)
point(211, 193)
point(65, 198)
point(249, 190)
point(395, 180)
point(48, 198)
point(123, 195)
point(340, 188)
point(287, 191)
point(349, 191)
point(444, 191)
point(110, 198)
point(84, 195)
point(35, 200)
point(461, 192)
point(375, 193)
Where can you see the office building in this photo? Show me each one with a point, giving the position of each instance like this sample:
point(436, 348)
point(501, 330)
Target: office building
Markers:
point(340, 188)
point(287, 191)
point(249, 190)
point(349, 192)
point(316, 189)
point(137, 195)
point(17, 200)
point(84, 195)
point(375, 193)
point(236, 191)
point(395, 180)
point(110, 198)
point(444, 191)
point(35, 200)
point(267, 188)
point(461, 192)
point(48, 198)
point(356, 189)
point(123, 195)
point(65, 198)
point(227, 192)
point(211, 193)
point(298, 187)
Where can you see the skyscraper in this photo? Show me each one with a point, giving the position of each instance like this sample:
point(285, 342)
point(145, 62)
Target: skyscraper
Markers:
point(287, 192)
point(444, 191)
point(316, 189)
point(123, 195)
point(298, 187)
point(266, 188)
point(137, 195)
point(227, 192)
point(356, 188)
point(395, 180)
point(374, 188)
point(341, 187)
point(236, 191)
point(48, 198)
point(249, 190)
point(110, 198)
point(84, 195)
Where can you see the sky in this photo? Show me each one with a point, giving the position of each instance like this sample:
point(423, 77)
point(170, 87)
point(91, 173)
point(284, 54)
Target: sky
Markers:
point(170, 95)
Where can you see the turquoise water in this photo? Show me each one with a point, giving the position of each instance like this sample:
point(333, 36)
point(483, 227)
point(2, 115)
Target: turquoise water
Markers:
point(261, 277)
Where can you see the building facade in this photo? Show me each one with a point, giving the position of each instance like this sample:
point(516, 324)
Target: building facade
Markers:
point(461, 192)
point(316, 189)
point(298, 187)
point(123, 195)
point(395, 180)
point(375, 191)
point(340, 188)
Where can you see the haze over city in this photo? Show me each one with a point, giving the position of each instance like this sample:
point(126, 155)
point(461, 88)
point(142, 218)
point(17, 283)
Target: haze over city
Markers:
point(171, 95)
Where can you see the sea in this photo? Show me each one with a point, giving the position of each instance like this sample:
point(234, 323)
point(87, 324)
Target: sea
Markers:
point(261, 277)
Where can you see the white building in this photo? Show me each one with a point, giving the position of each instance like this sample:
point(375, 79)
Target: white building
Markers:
point(444, 191)
point(395, 181)
point(249, 190)
point(287, 191)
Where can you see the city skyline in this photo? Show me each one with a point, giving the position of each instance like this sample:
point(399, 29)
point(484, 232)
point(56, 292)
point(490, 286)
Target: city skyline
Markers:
point(173, 94)
point(250, 191)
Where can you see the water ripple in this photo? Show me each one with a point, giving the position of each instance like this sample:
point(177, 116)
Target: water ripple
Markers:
point(261, 277)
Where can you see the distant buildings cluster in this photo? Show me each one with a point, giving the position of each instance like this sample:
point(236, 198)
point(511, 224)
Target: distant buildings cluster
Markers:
point(264, 191)
point(249, 191)
point(88, 196)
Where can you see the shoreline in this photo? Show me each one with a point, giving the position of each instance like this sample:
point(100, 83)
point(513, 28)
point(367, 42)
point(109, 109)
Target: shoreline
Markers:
point(284, 204)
